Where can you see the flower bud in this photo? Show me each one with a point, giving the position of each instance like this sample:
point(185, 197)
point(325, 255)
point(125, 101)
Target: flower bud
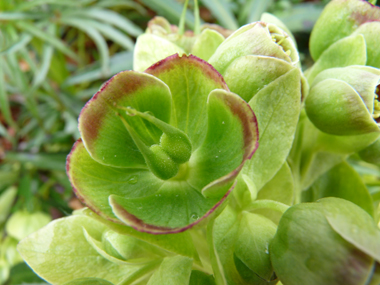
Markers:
point(161, 40)
point(344, 101)
point(332, 241)
point(340, 19)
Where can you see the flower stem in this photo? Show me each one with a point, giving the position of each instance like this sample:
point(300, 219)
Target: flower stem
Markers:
point(197, 26)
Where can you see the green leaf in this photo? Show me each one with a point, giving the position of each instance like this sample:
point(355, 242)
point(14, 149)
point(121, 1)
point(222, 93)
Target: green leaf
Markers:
point(252, 244)
point(47, 161)
point(342, 181)
point(172, 271)
point(150, 49)
point(347, 51)
point(200, 278)
point(45, 37)
point(369, 31)
point(4, 103)
point(254, 10)
point(86, 281)
point(277, 107)
point(210, 39)
point(22, 223)
point(221, 11)
point(180, 243)
point(280, 188)
point(110, 17)
point(94, 34)
point(6, 201)
point(60, 253)
point(353, 224)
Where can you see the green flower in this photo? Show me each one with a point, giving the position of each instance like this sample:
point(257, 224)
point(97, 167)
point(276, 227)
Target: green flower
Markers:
point(160, 150)
point(344, 101)
point(332, 241)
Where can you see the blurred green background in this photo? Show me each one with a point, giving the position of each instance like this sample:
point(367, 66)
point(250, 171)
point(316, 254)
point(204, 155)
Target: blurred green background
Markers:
point(54, 55)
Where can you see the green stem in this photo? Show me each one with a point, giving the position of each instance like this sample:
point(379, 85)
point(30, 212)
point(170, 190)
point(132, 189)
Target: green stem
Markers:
point(267, 204)
point(197, 25)
point(181, 26)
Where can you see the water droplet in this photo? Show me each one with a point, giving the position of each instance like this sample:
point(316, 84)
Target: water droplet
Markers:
point(216, 156)
point(115, 155)
point(103, 157)
point(194, 216)
point(220, 151)
point(355, 229)
point(266, 248)
point(266, 251)
point(139, 208)
point(149, 113)
point(176, 195)
point(223, 122)
point(159, 195)
point(133, 179)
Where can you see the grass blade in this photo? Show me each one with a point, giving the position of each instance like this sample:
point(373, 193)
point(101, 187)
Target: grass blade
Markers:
point(45, 37)
point(21, 43)
point(112, 18)
point(4, 103)
point(222, 13)
point(95, 36)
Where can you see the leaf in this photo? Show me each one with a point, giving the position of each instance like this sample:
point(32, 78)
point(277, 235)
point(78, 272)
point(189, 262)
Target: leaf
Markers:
point(110, 17)
point(369, 31)
point(118, 62)
point(180, 243)
point(60, 253)
point(45, 37)
point(171, 10)
point(172, 271)
point(47, 161)
point(95, 36)
point(4, 103)
point(210, 39)
point(353, 224)
point(86, 281)
point(280, 188)
point(16, 46)
point(252, 243)
point(6, 201)
point(342, 181)
point(220, 11)
point(150, 49)
point(347, 51)
point(22, 223)
point(277, 107)
point(200, 278)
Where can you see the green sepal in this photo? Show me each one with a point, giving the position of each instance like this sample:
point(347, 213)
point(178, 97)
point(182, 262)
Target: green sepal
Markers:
point(301, 249)
point(150, 48)
point(345, 52)
point(103, 132)
point(370, 31)
point(277, 107)
point(172, 271)
point(206, 44)
point(93, 182)
point(200, 278)
point(342, 181)
point(60, 253)
point(371, 153)
point(86, 281)
point(336, 108)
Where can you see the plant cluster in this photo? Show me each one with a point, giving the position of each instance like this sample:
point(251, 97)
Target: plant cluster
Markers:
point(217, 160)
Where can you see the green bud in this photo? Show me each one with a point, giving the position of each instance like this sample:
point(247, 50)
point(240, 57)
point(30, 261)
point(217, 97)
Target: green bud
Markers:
point(332, 241)
point(177, 146)
point(344, 101)
point(161, 40)
point(340, 19)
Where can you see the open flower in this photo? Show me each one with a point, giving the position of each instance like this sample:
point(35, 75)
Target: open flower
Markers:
point(332, 241)
point(344, 101)
point(160, 150)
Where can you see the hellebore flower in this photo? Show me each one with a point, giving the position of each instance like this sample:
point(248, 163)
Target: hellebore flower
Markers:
point(160, 150)
point(342, 18)
point(344, 101)
point(161, 40)
point(331, 242)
